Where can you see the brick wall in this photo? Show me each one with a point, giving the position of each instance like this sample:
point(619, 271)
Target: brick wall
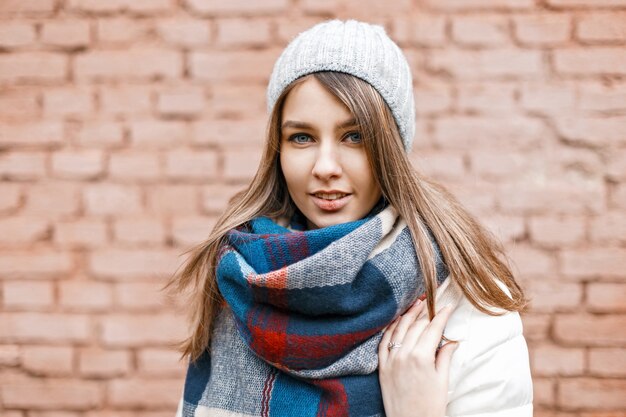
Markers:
point(126, 124)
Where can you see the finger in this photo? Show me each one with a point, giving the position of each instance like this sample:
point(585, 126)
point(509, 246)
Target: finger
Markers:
point(383, 350)
point(433, 332)
point(405, 321)
point(444, 357)
point(414, 332)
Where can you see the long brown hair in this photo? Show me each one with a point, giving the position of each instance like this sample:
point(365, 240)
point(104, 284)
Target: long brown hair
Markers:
point(474, 258)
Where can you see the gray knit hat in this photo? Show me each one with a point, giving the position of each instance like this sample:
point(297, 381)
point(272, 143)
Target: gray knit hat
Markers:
point(356, 48)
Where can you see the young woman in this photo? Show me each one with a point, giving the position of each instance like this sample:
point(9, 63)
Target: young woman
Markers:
point(325, 287)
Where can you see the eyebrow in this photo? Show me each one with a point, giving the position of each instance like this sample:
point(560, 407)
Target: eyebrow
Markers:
point(302, 125)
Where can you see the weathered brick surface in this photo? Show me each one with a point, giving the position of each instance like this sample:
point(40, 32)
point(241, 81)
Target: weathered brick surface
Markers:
point(126, 125)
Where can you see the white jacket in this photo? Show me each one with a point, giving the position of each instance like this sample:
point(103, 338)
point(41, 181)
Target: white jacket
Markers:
point(490, 371)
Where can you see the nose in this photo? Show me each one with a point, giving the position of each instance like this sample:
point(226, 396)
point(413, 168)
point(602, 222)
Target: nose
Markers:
point(327, 164)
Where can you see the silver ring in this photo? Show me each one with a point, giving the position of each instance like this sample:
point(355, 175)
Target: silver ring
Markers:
point(394, 345)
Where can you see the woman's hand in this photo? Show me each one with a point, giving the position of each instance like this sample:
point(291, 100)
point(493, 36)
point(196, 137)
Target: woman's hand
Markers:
point(414, 376)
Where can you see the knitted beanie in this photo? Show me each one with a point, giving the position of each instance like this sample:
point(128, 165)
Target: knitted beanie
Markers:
point(357, 48)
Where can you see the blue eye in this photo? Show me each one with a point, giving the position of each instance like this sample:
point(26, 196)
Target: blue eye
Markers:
point(299, 138)
point(355, 137)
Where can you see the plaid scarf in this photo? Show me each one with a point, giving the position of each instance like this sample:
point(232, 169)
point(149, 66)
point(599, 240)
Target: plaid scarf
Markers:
point(304, 317)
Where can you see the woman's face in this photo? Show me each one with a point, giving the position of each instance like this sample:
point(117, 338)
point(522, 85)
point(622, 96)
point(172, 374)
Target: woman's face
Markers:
point(323, 158)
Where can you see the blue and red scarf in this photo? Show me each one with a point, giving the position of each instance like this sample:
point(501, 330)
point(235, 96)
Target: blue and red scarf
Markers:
point(305, 313)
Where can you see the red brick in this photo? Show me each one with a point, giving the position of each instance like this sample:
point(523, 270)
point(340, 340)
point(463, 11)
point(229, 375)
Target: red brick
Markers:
point(157, 134)
point(140, 330)
point(34, 264)
point(506, 228)
point(78, 164)
point(588, 393)
point(96, 6)
point(241, 99)
point(181, 102)
point(237, 7)
point(602, 27)
point(85, 233)
point(478, 198)
point(100, 134)
point(616, 167)
point(20, 67)
point(173, 199)
point(124, 264)
point(134, 63)
point(68, 102)
point(16, 34)
point(487, 64)
point(497, 164)
point(542, 29)
point(431, 99)
point(531, 262)
point(142, 231)
point(440, 165)
point(487, 98)
point(489, 30)
point(228, 132)
point(130, 166)
point(10, 355)
point(481, 4)
point(593, 131)
point(128, 100)
point(215, 197)
point(287, 30)
point(221, 66)
point(191, 164)
point(587, 3)
point(68, 33)
point(52, 200)
point(19, 104)
point(536, 326)
point(595, 262)
point(538, 196)
point(548, 98)
point(571, 161)
point(590, 61)
point(241, 164)
point(463, 132)
point(557, 232)
point(121, 30)
point(160, 362)
point(43, 327)
point(423, 29)
point(191, 230)
point(602, 98)
point(588, 330)
point(105, 199)
point(243, 32)
point(550, 360)
point(96, 362)
point(609, 227)
point(373, 10)
point(140, 296)
point(618, 197)
point(185, 32)
point(54, 414)
point(24, 7)
point(543, 392)
point(53, 393)
point(148, 7)
point(609, 362)
point(23, 165)
point(85, 295)
point(47, 360)
point(28, 295)
point(606, 297)
point(43, 134)
point(548, 295)
point(10, 196)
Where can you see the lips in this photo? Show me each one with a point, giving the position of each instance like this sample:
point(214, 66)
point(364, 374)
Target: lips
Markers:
point(331, 205)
